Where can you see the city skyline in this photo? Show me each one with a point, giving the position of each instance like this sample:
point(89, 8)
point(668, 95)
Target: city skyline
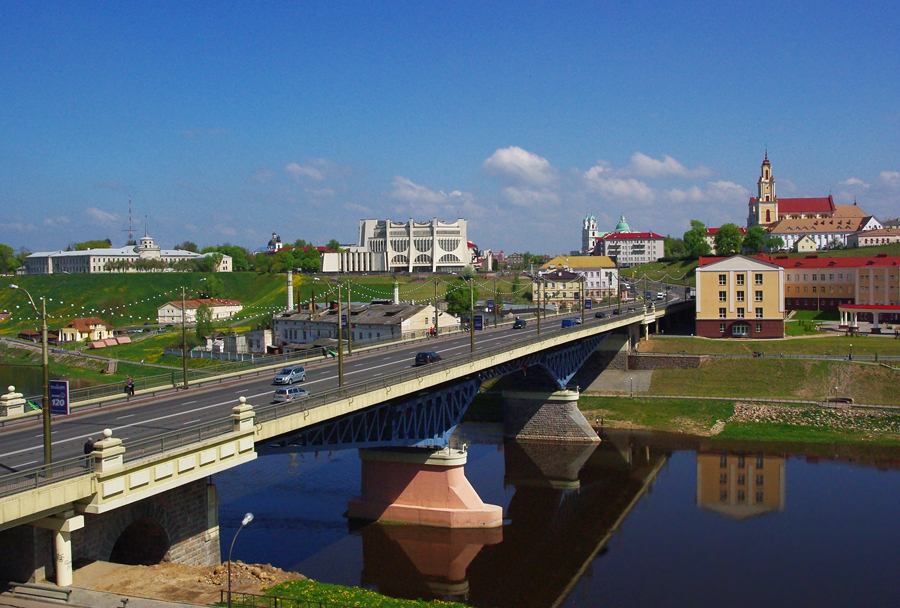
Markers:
point(224, 123)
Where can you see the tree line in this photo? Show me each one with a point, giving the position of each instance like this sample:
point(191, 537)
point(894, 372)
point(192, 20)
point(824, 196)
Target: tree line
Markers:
point(728, 240)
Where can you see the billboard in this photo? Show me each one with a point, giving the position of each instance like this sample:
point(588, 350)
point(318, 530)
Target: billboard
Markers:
point(59, 397)
point(479, 322)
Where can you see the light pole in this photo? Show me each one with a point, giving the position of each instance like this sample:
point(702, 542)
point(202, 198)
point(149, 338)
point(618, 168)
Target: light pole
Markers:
point(539, 307)
point(472, 314)
point(340, 336)
point(184, 333)
point(851, 353)
point(632, 387)
point(436, 326)
point(247, 519)
point(45, 364)
point(349, 324)
point(583, 296)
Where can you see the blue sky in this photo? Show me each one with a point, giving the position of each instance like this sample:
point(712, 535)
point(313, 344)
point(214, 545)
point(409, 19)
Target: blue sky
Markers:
point(225, 121)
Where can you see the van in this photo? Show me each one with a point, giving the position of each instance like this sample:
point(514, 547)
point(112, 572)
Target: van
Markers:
point(291, 374)
point(289, 393)
point(568, 323)
point(426, 358)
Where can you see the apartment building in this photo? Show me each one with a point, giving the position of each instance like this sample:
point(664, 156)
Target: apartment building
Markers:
point(739, 297)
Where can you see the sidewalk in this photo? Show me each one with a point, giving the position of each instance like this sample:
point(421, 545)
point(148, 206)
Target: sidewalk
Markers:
point(83, 598)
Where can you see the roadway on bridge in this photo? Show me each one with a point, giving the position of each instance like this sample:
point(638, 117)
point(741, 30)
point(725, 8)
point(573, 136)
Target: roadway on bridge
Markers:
point(145, 417)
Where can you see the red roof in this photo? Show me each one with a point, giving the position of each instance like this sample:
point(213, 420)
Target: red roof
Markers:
point(712, 231)
point(867, 307)
point(814, 261)
point(623, 236)
point(84, 324)
point(806, 205)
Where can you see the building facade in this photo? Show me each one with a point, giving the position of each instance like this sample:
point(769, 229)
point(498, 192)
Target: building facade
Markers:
point(627, 247)
point(739, 297)
point(870, 238)
point(600, 273)
point(590, 232)
point(561, 288)
point(85, 329)
point(146, 256)
point(220, 308)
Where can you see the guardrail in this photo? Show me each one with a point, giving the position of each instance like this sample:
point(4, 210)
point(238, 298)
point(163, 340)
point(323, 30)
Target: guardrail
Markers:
point(35, 477)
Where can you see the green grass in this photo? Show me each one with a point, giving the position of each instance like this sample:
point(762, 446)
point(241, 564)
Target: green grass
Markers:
point(677, 272)
point(313, 591)
point(675, 415)
point(817, 345)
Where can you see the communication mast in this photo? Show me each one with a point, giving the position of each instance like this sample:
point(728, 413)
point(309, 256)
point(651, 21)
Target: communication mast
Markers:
point(130, 229)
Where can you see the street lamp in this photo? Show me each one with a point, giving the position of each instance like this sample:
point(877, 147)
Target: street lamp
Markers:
point(472, 314)
point(850, 357)
point(632, 387)
point(184, 334)
point(247, 519)
point(45, 364)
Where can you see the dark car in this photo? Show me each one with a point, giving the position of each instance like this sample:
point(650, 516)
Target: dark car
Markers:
point(615, 311)
point(631, 309)
point(426, 358)
point(519, 324)
point(600, 315)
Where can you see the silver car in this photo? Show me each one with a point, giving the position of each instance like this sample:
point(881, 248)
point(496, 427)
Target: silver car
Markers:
point(291, 374)
point(289, 393)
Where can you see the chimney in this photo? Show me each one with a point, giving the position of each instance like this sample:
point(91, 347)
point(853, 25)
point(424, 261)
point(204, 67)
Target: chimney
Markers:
point(290, 290)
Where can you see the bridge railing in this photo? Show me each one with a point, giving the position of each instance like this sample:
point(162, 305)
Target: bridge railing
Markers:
point(159, 444)
point(35, 477)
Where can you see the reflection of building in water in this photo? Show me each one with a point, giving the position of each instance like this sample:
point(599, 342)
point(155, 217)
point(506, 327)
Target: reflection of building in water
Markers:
point(740, 485)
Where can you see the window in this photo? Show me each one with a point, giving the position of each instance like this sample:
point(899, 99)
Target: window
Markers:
point(741, 480)
point(740, 313)
point(741, 496)
point(741, 462)
point(723, 478)
point(814, 289)
point(758, 295)
point(723, 295)
point(805, 277)
point(740, 296)
point(758, 278)
point(723, 279)
point(759, 313)
point(723, 461)
point(759, 480)
point(759, 497)
point(740, 279)
point(830, 277)
point(723, 313)
point(759, 328)
point(721, 328)
point(723, 495)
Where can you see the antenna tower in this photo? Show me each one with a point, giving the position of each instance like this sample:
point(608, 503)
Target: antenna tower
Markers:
point(130, 229)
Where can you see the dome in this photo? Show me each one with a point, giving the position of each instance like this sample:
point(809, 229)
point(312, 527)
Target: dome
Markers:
point(622, 226)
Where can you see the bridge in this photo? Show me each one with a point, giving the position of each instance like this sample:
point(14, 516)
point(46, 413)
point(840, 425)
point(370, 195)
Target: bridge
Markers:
point(128, 480)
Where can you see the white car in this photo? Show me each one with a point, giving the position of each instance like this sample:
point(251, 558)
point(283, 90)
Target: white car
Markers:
point(291, 374)
point(289, 393)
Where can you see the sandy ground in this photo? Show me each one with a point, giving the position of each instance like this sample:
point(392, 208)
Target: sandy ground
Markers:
point(177, 582)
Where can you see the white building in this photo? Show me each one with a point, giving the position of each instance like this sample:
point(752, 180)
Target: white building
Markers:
point(220, 308)
point(590, 232)
point(145, 256)
point(628, 247)
point(388, 246)
point(600, 273)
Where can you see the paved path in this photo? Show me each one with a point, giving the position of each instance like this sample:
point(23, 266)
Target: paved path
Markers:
point(83, 598)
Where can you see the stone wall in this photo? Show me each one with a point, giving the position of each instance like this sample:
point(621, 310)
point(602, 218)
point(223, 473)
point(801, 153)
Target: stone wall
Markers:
point(26, 554)
point(546, 416)
point(188, 514)
point(650, 361)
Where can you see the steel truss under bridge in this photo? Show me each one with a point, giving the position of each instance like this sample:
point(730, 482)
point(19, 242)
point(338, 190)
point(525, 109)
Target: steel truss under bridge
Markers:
point(428, 418)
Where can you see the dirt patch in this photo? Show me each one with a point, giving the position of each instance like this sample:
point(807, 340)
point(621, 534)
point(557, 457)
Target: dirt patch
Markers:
point(180, 583)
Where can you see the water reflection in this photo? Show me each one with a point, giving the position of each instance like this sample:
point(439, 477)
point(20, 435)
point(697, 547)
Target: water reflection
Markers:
point(740, 485)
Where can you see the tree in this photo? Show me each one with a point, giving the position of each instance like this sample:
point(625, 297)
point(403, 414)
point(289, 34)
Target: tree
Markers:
point(188, 246)
point(95, 244)
point(8, 261)
point(458, 298)
point(334, 245)
point(211, 261)
point(753, 240)
point(774, 243)
point(215, 287)
point(695, 243)
point(204, 321)
point(728, 239)
point(674, 248)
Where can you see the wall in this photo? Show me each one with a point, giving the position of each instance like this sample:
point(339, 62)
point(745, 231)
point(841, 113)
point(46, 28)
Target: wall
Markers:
point(645, 361)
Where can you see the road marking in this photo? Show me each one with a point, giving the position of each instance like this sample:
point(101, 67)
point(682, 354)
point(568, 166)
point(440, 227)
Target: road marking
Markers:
point(128, 416)
point(24, 464)
point(189, 402)
point(190, 422)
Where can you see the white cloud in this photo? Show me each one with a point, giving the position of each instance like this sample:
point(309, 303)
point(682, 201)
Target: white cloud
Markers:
point(891, 178)
point(853, 181)
point(644, 166)
point(101, 217)
point(526, 197)
point(57, 221)
point(297, 172)
point(617, 187)
point(728, 193)
point(262, 176)
point(518, 165)
point(409, 192)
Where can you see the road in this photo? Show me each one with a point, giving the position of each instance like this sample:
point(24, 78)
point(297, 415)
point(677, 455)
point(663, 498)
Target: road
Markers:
point(142, 418)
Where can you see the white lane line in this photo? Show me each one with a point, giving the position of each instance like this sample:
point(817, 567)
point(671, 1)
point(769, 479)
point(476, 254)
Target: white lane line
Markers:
point(189, 402)
point(126, 416)
point(24, 464)
point(190, 422)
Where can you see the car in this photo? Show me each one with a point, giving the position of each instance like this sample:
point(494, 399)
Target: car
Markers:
point(290, 374)
point(568, 323)
point(577, 321)
point(630, 309)
point(616, 311)
point(519, 324)
point(289, 393)
point(427, 357)
point(600, 315)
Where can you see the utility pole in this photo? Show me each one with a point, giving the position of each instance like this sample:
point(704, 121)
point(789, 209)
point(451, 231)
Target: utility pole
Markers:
point(436, 327)
point(539, 307)
point(340, 333)
point(583, 296)
point(496, 302)
point(349, 324)
point(471, 315)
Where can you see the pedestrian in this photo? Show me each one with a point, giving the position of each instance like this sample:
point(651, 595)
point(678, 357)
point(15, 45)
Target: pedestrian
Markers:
point(89, 445)
point(129, 386)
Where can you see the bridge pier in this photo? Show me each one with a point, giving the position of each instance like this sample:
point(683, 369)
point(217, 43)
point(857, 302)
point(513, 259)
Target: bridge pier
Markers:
point(420, 486)
point(545, 415)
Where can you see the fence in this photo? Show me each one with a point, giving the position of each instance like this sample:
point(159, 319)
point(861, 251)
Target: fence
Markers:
point(249, 600)
point(36, 477)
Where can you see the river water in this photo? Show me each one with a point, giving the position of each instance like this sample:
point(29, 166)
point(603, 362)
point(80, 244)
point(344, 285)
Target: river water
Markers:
point(638, 520)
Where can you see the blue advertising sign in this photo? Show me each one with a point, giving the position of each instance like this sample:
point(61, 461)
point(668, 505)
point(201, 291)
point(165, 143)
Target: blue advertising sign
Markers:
point(490, 304)
point(479, 322)
point(59, 397)
point(587, 304)
point(344, 321)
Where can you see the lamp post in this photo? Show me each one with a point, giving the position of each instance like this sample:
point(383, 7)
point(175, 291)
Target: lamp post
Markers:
point(340, 336)
point(45, 364)
point(632, 387)
point(472, 314)
point(437, 329)
point(539, 307)
point(851, 353)
point(349, 324)
point(583, 296)
point(184, 334)
point(247, 519)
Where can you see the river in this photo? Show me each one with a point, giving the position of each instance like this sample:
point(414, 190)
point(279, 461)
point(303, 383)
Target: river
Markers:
point(638, 520)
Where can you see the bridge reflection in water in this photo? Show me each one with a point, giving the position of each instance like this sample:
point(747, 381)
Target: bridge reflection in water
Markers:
point(569, 499)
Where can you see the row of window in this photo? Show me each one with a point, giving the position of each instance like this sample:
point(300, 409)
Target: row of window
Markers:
point(740, 329)
point(740, 479)
point(739, 279)
point(741, 462)
point(741, 496)
point(830, 289)
point(821, 277)
point(739, 296)
point(723, 313)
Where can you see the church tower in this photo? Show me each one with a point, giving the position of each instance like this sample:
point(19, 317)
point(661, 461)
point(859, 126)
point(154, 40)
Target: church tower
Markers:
point(764, 208)
point(589, 234)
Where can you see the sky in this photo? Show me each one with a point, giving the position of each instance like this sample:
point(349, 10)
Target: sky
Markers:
point(224, 122)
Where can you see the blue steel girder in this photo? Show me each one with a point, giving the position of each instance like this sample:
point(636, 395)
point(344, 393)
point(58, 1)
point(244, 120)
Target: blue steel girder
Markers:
point(428, 418)
point(562, 363)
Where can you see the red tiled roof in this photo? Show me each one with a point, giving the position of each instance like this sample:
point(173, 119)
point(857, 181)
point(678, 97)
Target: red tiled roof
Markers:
point(622, 236)
point(813, 261)
point(713, 231)
point(83, 324)
point(867, 307)
point(806, 205)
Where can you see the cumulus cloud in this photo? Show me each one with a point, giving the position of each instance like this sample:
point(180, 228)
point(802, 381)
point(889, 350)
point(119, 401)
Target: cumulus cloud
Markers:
point(891, 178)
point(101, 217)
point(297, 172)
point(517, 165)
point(853, 181)
point(642, 165)
point(601, 180)
point(403, 189)
point(56, 222)
point(526, 197)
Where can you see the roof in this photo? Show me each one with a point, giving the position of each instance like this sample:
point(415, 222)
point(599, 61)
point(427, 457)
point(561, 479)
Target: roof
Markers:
point(623, 236)
point(889, 231)
point(814, 261)
point(586, 262)
point(849, 211)
point(806, 205)
point(827, 225)
point(198, 302)
point(868, 307)
point(84, 324)
point(713, 231)
point(562, 275)
point(734, 262)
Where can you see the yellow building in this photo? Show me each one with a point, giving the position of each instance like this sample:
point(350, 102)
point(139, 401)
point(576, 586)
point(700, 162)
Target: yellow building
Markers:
point(559, 288)
point(599, 271)
point(740, 486)
point(85, 328)
point(739, 297)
